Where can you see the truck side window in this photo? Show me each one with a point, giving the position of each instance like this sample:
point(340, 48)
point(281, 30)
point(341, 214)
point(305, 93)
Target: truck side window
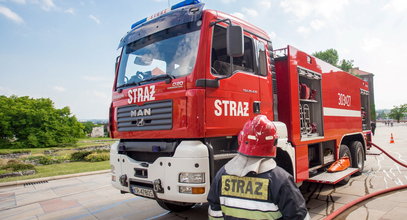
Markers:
point(220, 61)
point(261, 55)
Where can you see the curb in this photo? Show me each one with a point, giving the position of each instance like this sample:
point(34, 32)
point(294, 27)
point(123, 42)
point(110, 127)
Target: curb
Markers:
point(21, 182)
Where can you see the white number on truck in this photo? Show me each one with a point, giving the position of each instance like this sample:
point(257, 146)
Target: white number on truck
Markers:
point(344, 100)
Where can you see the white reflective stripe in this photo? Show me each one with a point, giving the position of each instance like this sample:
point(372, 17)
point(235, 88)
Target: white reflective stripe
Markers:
point(341, 112)
point(251, 137)
point(248, 204)
point(214, 213)
point(269, 138)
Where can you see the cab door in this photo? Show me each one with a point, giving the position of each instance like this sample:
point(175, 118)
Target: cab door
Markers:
point(236, 99)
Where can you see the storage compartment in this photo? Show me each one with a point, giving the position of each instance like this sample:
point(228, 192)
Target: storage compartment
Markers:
point(364, 101)
point(320, 155)
point(309, 91)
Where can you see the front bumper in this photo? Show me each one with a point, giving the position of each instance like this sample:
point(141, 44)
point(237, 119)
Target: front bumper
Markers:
point(189, 157)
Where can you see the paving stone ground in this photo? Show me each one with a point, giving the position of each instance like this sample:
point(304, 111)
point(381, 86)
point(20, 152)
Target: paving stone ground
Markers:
point(92, 197)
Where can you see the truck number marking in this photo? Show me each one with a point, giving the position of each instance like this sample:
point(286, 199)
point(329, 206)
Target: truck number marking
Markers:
point(344, 100)
point(141, 94)
point(231, 108)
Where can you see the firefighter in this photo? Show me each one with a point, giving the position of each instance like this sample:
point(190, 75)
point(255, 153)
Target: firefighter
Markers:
point(251, 185)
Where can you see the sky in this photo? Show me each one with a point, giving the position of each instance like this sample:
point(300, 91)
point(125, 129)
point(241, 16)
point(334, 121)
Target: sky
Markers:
point(65, 50)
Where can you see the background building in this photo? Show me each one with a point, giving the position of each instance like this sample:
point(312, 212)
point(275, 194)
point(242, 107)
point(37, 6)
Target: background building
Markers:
point(368, 77)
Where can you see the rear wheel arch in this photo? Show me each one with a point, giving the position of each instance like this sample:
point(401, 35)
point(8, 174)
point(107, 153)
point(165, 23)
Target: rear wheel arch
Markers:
point(349, 139)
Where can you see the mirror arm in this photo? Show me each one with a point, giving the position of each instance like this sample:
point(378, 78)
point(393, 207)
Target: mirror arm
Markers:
point(227, 20)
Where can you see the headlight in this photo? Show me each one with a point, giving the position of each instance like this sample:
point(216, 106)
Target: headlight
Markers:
point(192, 177)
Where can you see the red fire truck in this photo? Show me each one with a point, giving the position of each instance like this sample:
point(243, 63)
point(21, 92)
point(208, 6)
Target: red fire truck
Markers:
point(187, 79)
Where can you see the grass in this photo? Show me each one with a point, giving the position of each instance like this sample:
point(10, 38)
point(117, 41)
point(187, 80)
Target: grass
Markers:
point(62, 169)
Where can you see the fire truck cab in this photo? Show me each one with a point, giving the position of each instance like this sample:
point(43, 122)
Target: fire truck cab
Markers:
point(187, 79)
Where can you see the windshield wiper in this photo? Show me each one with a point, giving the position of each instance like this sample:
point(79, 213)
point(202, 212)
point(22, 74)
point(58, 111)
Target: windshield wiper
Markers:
point(163, 76)
point(129, 84)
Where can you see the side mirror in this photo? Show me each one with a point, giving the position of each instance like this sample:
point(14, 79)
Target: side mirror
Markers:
point(234, 41)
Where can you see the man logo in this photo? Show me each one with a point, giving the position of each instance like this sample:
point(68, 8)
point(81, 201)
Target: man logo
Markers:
point(140, 122)
point(140, 112)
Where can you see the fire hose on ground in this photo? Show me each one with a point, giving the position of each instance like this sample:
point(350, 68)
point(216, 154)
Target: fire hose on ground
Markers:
point(368, 196)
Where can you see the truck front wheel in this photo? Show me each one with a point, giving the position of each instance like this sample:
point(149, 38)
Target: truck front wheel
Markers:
point(175, 207)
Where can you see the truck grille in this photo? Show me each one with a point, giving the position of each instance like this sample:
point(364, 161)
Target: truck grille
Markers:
point(150, 116)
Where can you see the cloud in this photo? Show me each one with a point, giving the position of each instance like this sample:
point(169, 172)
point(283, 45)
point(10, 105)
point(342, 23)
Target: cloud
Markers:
point(70, 11)
point(239, 15)
point(47, 5)
point(303, 30)
point(317, 24)
point(6, 91)
point(272, 34)
point(22, 2)
point(371, 43)
point(59, 88)
point(95, 19)
point(11, 15)
point(265, 4)
point(396, 5)
point(302, 9)
point(250, 12)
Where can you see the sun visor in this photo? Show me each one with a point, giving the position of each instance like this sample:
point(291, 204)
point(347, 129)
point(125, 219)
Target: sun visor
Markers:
point(172, 18)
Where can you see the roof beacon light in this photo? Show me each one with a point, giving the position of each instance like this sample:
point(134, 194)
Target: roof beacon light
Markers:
point(178, 5)
point(185, 3)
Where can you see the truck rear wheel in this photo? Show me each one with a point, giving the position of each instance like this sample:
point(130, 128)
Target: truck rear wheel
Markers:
point(358, 157)
point(345, 152)
point(175, 207)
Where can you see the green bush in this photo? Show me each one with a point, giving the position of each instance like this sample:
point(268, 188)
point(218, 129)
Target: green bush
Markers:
point(14, 165)
point(97, 157)
point(15, 152)
point(44, 160)
point(102, 151)
point(79, 155)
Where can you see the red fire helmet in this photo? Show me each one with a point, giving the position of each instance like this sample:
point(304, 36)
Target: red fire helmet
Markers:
point(258, 138)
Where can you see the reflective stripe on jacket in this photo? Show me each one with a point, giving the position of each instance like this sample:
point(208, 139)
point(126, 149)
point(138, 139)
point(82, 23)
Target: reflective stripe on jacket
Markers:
point(269, 195)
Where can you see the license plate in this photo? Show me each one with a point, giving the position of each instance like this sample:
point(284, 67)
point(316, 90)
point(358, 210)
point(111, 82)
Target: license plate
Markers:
point(142, 191)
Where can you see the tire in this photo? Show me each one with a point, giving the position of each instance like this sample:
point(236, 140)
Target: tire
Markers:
point(344, 151)
point(358, 156)
point(175, 207)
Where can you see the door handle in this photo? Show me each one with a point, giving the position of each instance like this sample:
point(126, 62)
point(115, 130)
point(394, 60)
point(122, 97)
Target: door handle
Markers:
point(256, 107)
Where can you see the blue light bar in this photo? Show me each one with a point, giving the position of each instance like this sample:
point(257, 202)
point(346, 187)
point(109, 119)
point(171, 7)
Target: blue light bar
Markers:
point(178, 5)
point(138, 23)
point(185, 3)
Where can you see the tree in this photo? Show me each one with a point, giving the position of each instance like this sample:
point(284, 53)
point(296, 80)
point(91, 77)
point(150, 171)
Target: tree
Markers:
point(88, 127)
point(346, 65)
point(28, 122)
point(398, 112)
point(331, 56)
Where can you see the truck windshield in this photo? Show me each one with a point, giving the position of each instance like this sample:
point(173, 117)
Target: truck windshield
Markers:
point(167, 54)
